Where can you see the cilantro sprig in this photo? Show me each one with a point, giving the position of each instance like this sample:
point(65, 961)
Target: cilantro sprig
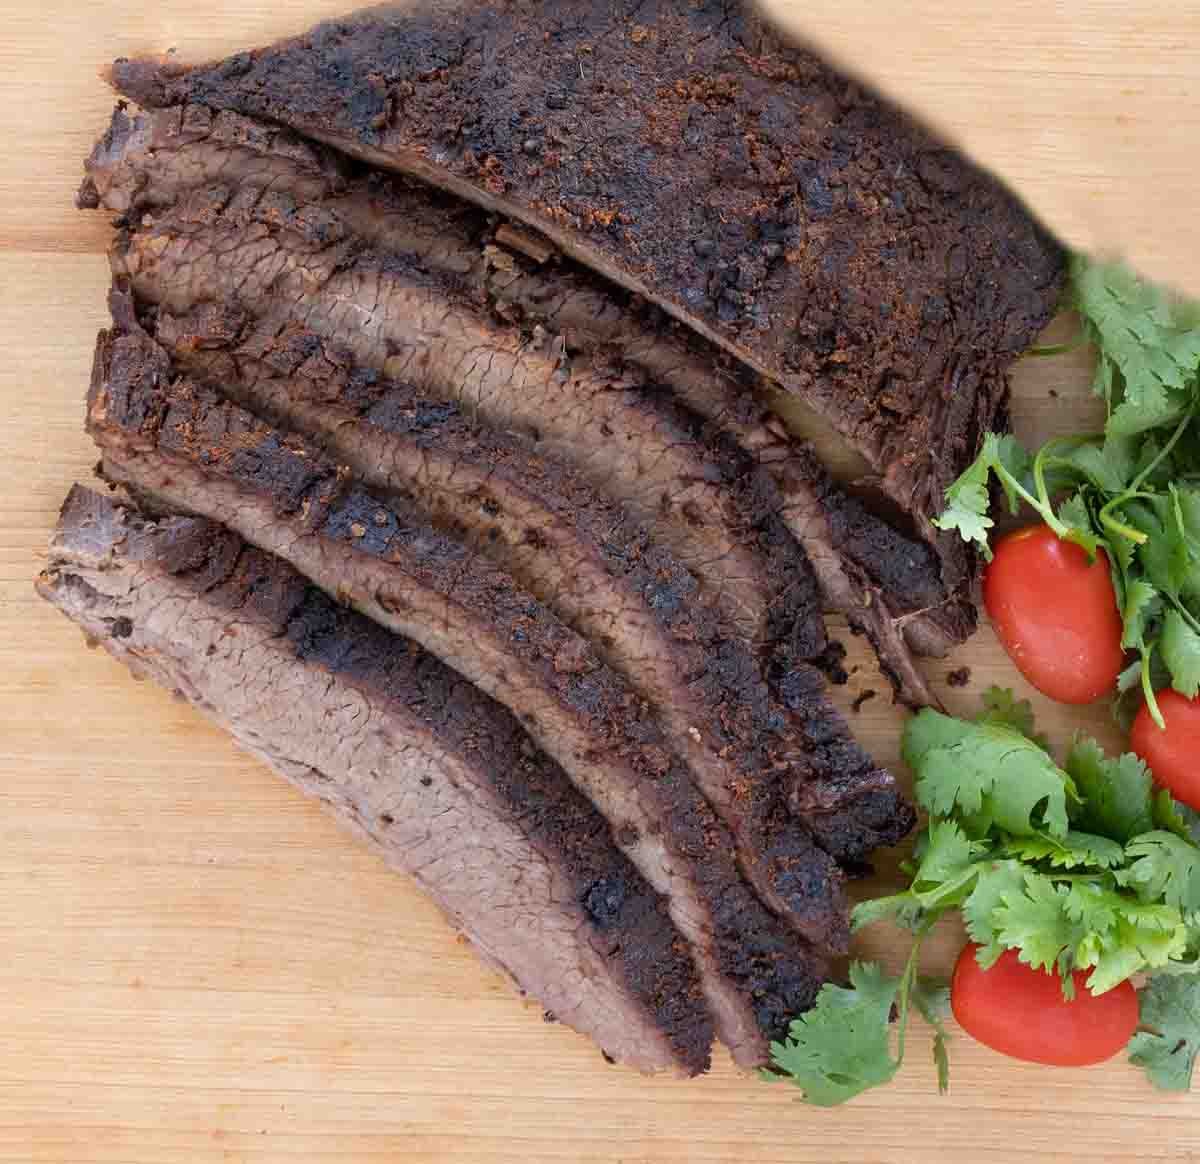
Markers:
point(1083, 867)
point(1133, 489)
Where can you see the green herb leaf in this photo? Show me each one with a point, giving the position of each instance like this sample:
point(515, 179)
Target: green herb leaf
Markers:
point(1008, 453)
point(1002, 707)
point(1142, 606)
point(932, 1000)
point(1164, 867)
point(1180, 646)
point(993, 882)
point(1035, 921)
point(1074, 851)
point(987, 772)
point(1169, 1037)
point(1115, 796)
point(841, 1047)
point(967, 501)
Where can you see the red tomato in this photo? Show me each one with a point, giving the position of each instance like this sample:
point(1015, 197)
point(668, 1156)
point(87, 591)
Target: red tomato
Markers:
point(1173, 754)
point(1056, 614)
point(1021, 1012)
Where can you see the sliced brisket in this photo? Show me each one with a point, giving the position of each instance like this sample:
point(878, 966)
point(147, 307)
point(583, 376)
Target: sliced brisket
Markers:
point(688, 154)
point(642, 612)
point(439, 779)
point(146, 163)
point(285, 262)
point(182, 447)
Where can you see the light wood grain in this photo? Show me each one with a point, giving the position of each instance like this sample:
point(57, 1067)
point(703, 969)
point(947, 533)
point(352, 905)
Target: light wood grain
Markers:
point(1090, 108)
point(197, 966)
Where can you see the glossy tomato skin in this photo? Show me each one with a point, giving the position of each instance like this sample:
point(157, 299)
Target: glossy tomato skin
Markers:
point(1173, 753)
point(1056, 614)
point(1021, 1012)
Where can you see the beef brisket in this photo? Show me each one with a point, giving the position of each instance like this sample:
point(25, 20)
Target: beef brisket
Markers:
point(439, 779)
point(146, 163)
point(180, 446)
point(687, 153)
point(574, 550)
point(284, 263)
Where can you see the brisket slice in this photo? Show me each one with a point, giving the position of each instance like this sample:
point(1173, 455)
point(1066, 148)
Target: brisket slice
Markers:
point(688, 153)
point(886, 584)
point(181, 447)
point(284, 261)
point(574, 550)
point(440, 780)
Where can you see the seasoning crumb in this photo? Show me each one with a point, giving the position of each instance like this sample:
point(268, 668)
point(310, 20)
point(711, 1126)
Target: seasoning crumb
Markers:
point(358, 529)
point(959, 678)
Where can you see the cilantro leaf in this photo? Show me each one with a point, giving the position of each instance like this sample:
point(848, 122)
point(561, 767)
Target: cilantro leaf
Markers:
point(1180, 646)
point(1149, 341)
point(1009, 454)
point(1035, 922)
point(1164, 867)
point(967, 502)
point(1177, 818)
point(1169, 1037)
point(932, 1000)
point(1143, 604)
point(985, 771)
point(1114, 795)
point(842, 1046)
point(1075, 850)
point(993, 881)
point(1002, 707)
point(1108, 465)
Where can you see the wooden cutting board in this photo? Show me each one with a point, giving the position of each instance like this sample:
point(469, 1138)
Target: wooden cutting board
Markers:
point(196, 965)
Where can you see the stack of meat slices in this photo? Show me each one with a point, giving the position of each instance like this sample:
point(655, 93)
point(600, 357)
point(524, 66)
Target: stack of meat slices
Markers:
point(512, 571)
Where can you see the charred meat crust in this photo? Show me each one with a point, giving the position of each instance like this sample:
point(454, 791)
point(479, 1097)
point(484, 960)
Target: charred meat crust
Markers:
point(287, 262)
point(147, 163)
point(440, 770)
point(187, 449)
point(684, 151)
point(577, 552)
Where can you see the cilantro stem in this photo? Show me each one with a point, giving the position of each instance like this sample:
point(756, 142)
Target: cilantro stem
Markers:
point(1165, 451)
point(1043, 508)
point(1184, 613)
point(1119, 527)
point(908, 977)
point(1134, 489)
point(1059, 349)
point(1148, 690)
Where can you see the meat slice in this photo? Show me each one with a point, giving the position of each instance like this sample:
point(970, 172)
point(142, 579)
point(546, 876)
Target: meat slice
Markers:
point(181, 447)
point(284, 262)
point(684, 151)
point(437, 778)
point(573, 550)
point(146, 163)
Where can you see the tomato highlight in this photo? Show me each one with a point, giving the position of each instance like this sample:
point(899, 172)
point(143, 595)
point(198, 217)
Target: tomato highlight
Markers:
point(1021, 1012)
point(1055, 612)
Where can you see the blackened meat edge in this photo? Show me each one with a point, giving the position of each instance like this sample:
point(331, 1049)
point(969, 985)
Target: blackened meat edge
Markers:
point(688, 153)
point(434, 776)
